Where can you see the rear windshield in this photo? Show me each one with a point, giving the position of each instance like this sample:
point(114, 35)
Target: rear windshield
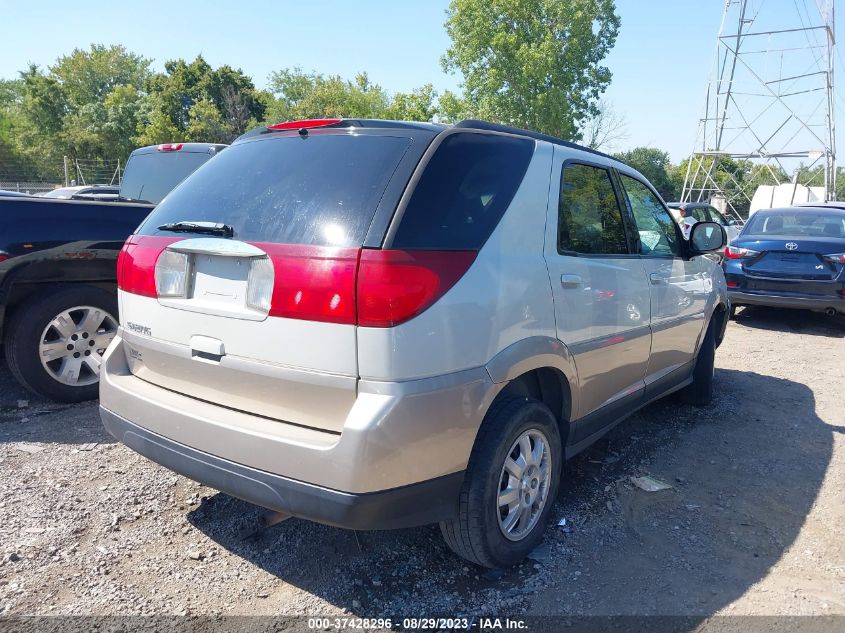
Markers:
point(809, 223)
point(464, 191)
point(320, 190)
point(150, 177)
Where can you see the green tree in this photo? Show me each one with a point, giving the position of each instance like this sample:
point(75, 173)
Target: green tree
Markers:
point(169, 113)
point(656, 166)
point(418, 105)
point(301, 95)
point(85, 105)
point(532, 63)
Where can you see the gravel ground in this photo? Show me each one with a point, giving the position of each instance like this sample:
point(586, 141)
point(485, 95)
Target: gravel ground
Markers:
point(751, 525)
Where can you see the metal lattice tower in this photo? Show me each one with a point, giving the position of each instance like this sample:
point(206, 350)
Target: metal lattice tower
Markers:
point(770, 100)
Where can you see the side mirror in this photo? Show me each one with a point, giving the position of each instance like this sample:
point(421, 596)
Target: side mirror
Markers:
point(706, 237)
point(731, 222)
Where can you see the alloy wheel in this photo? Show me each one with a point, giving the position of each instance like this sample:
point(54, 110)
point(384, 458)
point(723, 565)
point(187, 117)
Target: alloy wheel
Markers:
point(73, 343)
point(524, 485)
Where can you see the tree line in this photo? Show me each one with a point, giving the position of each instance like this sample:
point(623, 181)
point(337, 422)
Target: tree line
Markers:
point(536, 64)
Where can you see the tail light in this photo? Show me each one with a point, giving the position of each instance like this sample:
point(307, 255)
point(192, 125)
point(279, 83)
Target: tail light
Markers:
point(169, 147)
point(372, 288)
point(4, 257)
point(171, 274)
point(732, 284)
point(838, 258)
point(735, 252)
point(395, 286)
point(259, 287)
point(136, 264)
point(315, 283)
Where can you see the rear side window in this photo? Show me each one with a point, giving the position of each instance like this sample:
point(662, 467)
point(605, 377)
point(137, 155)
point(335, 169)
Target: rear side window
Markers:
point(463, 192)
point(809, 223)
point(589, 217)
point(150, 177)
point(321, 190)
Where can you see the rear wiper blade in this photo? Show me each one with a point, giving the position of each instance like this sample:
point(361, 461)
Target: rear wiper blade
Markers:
point(211, 228)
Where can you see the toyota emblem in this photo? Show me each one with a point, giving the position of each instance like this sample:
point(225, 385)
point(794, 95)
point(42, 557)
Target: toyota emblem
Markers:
point(791, 246)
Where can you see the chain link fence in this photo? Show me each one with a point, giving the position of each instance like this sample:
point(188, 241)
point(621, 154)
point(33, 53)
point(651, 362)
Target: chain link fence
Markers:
point(68, 173)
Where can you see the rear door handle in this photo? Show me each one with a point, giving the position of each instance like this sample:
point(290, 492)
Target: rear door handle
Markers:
point(657, 279)
point(571, 281)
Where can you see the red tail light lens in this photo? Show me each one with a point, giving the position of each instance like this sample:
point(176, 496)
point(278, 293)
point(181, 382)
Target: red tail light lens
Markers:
point(395, 286)
point(733, 284)
point(315, 283)
point(169, 147)
point(735, 252)
point(305, 123)
point(136, 263)
point(372, 288)
point(837, 258)
point(3, 257)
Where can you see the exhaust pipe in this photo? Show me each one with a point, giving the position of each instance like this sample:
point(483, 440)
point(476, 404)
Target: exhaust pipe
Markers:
point(831, 312)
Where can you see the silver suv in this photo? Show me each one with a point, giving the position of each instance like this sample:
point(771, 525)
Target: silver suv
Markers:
point(377, 325)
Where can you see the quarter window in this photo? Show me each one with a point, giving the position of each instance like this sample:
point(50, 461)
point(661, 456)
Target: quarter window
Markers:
point(589, 218)
point(658, 235)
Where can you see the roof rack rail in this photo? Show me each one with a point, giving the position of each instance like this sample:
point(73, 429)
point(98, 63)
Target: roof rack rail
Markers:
point(477, 124)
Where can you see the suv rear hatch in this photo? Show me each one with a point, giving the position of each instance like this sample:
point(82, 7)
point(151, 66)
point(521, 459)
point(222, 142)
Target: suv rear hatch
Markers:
point(240, 288)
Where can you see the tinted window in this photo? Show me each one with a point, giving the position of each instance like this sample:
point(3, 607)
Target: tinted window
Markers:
point(700, 214)
point(150, 177)
point(589, 219)
point(658, 236)
point(464, 191)
point(809, 223)
point(717, 217)
point(321, 189)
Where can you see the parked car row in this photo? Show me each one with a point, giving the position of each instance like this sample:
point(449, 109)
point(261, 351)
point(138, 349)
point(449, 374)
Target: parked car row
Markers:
point(58, 303)
point(376, 325)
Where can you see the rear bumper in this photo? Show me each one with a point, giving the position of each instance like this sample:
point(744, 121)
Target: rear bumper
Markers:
point(417, 504)
point(398, 461)
point(792, 300)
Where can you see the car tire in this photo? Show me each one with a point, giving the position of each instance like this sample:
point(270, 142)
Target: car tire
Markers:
point(478, 533)
point(700, 392)
point(31, 334)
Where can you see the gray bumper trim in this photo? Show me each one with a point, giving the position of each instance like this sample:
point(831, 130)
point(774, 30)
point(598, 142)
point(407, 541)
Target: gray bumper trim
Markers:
point(417, 504)
point(814, 302)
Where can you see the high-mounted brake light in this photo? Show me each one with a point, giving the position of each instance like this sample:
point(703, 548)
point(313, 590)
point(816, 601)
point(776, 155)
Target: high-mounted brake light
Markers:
point(169, 147)
point(735, 252)
point(303, 124)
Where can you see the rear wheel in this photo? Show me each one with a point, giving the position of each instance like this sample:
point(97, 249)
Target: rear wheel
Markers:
point(54, 345)
point(510, 486)
point(700, 392)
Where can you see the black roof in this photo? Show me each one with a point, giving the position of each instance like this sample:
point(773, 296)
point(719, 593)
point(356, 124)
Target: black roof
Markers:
point(477, 124)
point(469, 124)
